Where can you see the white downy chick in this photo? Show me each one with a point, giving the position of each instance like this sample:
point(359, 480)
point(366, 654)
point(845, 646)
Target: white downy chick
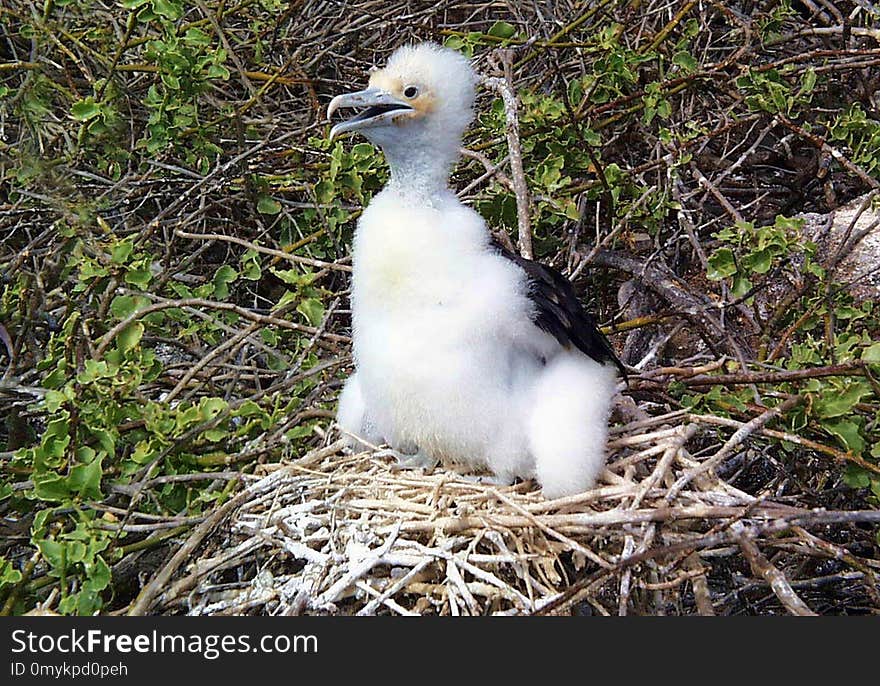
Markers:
point(463, 351)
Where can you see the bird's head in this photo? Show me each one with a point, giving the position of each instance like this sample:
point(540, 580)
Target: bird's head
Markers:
point(421, 100)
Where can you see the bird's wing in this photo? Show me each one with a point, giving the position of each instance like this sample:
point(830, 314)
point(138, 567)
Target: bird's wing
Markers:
point(559, 312)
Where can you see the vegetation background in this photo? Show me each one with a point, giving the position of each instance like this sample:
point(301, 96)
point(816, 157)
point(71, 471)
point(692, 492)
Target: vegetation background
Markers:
point(175, 229)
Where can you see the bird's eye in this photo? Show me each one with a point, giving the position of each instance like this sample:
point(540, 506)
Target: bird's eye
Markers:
point(411, 92)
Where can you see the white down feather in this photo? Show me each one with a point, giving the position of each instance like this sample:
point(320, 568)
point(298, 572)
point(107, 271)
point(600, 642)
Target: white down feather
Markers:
point(449, 362)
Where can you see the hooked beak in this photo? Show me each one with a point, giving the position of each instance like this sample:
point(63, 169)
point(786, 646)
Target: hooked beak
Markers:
point(381, 108)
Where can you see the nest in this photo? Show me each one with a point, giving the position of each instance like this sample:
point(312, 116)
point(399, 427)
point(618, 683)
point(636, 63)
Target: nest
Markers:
point(341, 533)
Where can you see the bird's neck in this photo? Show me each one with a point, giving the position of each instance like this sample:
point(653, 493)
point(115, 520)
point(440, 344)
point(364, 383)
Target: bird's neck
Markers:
point(420, 172)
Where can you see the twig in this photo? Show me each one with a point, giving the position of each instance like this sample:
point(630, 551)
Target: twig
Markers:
point(504, 87)
point(211, 304)
point(826, 148)
point(743, 432)
point(289, 256)
point(781, 588)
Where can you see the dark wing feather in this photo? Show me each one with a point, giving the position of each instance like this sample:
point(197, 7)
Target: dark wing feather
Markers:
point(559, 312)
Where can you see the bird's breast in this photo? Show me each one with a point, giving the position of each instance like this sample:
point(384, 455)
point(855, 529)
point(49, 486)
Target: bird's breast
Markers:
point(387, 275)
point(406, 259)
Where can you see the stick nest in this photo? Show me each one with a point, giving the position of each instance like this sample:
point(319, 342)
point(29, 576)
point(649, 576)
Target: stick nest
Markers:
point(341, 533)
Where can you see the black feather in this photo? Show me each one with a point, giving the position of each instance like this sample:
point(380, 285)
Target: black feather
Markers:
point(559, 312)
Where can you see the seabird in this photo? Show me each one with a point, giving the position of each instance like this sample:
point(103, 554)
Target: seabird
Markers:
point(463, 350)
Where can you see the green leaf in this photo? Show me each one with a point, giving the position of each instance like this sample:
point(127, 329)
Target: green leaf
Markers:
point(123, 306)
point(56, 378)
point(250, 265)
point(171, 81)
point(99, 573)
point(85, 479)
point(54, 444)
point(312, 309)
point(871, 354)
point(139, 277)
point(836, 401)
point(211, 407)
point(54, 400)
point(741, 286)
point(167, 8)
point(88, 602)
point(83, 110)
point(218, 71)
point(53, 552)
point(286, 298)
point(129, 337)
point(143, 452)
point(363, 151)
point(120, 252)
point(809, 81)
point(224, 276)
point(93, 370)
point(8, 574)
point(268, 205)
point(721, 264)
point(248, 409)
point(351, 180)
point(759, 261)
point(215, 435)
point(848, 434)
point(501, 29)
point(50, 486)
point(325, 191)
point(685, 60)
point(195, 36)
point(251, 270)
point(68, 605)
point(76, 551)
point(856, 477)
point(301, 431)
point(105, 440)
point(294, 277)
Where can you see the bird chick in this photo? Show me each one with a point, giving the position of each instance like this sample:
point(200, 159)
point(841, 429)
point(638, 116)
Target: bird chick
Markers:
point(463, 351)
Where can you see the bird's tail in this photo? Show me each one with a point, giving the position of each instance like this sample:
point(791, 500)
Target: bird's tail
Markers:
point(568, 423)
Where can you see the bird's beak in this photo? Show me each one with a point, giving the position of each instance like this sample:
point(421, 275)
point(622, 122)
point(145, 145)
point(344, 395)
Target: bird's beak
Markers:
point(380, 108)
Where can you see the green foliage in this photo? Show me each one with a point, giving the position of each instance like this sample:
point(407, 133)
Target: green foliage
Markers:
point(843, 409)
point(861, 134)
point(561, 150)
point(10, 577)
point(749, 253)
point(616, 72)
point(188, 64)
point(100, 432)
point(770, 25)
point(768, 90)
point(501, 33)
point(79, 552)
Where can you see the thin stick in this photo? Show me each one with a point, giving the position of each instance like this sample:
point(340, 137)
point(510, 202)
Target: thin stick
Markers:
point(504, 87)
point(781, 588)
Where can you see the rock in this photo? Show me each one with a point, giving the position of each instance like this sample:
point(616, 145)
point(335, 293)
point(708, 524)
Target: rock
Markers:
point(860, 269)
